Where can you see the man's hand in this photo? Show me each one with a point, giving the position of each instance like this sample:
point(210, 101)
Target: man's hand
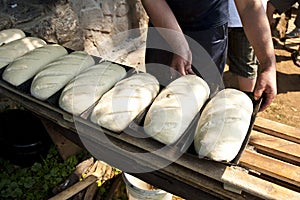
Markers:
point(266, 87)
point(182, 64)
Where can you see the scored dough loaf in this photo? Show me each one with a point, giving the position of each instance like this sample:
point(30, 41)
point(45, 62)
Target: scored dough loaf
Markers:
point(9, 35)
point(223, 125)
point(175, 107)
point(10, 51)
point(86, 88)
point(26, 66)
point(128, 98)
point(58, 73)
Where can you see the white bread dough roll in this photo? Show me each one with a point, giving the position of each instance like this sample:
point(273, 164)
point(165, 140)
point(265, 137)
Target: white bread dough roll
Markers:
point(28, 65)
point(86, 88)
point(223, 125)
point(128, 98)
point(58, 73)
point(9, 35)
point(175, 107)
point(9, 52)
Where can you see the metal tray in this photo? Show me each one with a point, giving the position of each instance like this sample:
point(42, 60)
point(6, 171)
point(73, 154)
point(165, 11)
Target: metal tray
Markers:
point(185, 142)
point(183, 145)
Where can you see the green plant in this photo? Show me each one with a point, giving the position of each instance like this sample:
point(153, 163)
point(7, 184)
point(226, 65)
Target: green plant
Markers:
point(37, 181)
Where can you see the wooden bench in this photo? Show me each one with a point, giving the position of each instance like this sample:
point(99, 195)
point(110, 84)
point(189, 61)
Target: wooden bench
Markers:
point(276, 155)
point(268, 168)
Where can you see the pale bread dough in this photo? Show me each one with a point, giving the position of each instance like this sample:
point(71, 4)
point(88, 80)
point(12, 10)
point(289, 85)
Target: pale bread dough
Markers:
point(9, 35)
point(9, 52)
point(86, 88)
point(26, 66)
point(223, 125)
point(125, 101)
point(58, 73)
point(175, 107)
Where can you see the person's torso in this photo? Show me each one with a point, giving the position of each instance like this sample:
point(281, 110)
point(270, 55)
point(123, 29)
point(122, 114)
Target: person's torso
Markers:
point(199, 14)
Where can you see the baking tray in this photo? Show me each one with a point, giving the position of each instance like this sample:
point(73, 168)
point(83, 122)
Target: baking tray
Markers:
point(185, 144)
point(256, 107)
point(87, 113)
point(53, 99)
point(235, 161)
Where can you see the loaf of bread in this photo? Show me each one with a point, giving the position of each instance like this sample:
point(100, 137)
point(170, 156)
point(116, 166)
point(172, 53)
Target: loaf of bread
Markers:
point(86, 88)
point(223, 125)
point(9, 52)
point(175, 107)
point(58, 73)
point(9, 35)
point(26, 66)
point(125, 101)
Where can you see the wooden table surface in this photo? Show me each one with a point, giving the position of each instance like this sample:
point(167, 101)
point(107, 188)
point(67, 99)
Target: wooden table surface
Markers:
point(269, 167)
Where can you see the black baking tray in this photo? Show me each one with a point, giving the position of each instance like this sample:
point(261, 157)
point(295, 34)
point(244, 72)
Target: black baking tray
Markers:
point(235, 161)
point(256, 107)
point(53, 99)
point(87, 113)
point(185, 144)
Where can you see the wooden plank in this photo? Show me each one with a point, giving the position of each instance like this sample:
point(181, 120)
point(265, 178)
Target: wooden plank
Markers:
point(237, 177)
point(277, 129)
point(188, 177)
point(257, 186)
point(65, 147)
point(74, 189)
point(277, 147)
point(272, 167)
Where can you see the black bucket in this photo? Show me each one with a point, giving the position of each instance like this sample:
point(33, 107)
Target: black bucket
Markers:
point(24, 139)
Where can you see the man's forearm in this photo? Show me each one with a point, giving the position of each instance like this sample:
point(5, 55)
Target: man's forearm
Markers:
point(161, 16)
point(258, 31)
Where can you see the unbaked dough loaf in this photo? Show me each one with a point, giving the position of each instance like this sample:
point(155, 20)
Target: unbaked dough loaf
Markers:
point(26, 66)
point(86, 88)
point(175, 107)
point(9, 35)
point(128, 98)
point(223, 125)
point(9, 52)
point(58, 73)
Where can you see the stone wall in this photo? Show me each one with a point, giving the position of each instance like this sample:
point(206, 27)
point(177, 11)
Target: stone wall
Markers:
point(112, 29)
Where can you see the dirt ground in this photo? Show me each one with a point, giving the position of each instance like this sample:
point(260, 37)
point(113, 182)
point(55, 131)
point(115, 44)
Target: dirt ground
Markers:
point(286, 106)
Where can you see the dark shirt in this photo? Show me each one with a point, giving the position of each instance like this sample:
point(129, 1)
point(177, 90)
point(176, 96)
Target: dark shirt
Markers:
point(199, 14)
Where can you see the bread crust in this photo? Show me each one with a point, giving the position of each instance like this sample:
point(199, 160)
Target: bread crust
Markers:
point(128, 98)
point(86, 88)
point(223, 125)
point(9, 35)
point(58, 73)
point(9, 52)
point(175, 107)
point(28, 65)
